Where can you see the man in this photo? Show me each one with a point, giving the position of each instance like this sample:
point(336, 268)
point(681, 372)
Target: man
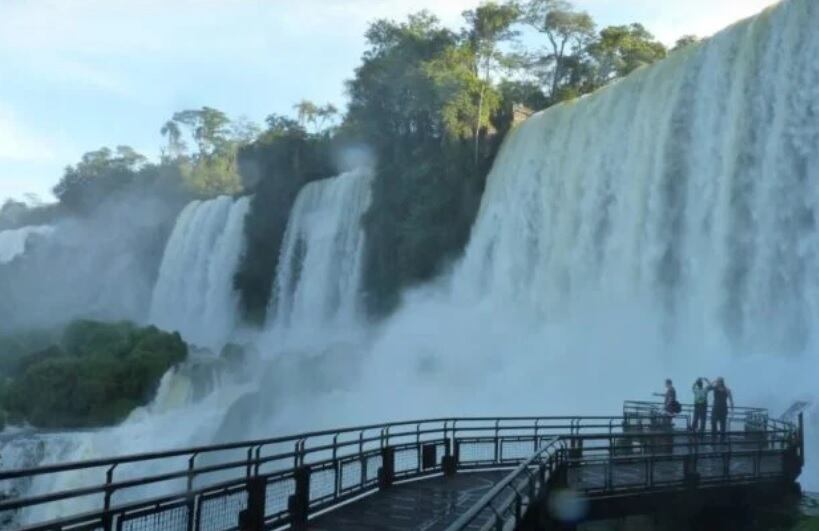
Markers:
point(670, 397)
point(719, 409)
point(700, 405)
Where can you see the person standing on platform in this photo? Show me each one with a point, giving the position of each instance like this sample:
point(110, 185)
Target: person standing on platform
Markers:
point(719, 410)
point(700, 405)
point(671, 406)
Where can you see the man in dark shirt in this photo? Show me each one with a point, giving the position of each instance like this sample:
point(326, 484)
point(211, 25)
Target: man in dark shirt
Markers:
point(719, 408)
point(670, 397)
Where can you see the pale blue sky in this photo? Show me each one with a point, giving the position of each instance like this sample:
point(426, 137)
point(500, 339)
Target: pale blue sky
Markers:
point(76, 75)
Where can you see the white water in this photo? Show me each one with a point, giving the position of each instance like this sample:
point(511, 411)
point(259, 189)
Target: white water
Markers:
point(318, 285)
point(194, 293)
point(13, 242)
point(664, 226)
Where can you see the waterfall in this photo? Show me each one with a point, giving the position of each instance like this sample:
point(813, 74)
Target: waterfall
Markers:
point(664, 226)
point(691, 186)
point(13, 242)
point(194, 293)
point(319, 276)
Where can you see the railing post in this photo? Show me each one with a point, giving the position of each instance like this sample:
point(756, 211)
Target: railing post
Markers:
point(386, 474)
point(252, 518)
point(497, 442)
point(109, 492)
point(449, 462)
point(298, 505)
point(191, 501)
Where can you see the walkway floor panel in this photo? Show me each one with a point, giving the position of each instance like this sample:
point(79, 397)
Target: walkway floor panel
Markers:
point(424, 505)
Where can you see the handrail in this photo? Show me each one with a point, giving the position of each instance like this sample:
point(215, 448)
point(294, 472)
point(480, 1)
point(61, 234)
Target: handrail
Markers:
point(333, 448)
point(486, 500)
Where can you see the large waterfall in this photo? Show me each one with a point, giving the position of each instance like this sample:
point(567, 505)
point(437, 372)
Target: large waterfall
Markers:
point(664, 226)
point(319, 277)
point(194, 293)
point(691, 187)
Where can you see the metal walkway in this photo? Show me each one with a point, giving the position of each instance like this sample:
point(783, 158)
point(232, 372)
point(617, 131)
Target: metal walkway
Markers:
point(435, 474)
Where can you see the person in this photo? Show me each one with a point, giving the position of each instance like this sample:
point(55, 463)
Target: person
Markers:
point(719, 408)
point(700, 405)
point(670, 395)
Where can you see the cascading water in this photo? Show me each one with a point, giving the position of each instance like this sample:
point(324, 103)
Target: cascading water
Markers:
point(691, 185)
point(13, 242)
point(194, 293)
point(663, 226)
point(319, 278)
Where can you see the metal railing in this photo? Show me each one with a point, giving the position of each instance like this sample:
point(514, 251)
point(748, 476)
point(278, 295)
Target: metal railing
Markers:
point(507, 502)
point(276, 482)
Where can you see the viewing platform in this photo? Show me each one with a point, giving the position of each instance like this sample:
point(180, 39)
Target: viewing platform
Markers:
point(434, 474)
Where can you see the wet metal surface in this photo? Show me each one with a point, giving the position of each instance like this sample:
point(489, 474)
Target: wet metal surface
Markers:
point(424, 505)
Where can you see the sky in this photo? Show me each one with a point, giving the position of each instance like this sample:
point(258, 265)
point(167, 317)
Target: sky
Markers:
point(76, 75)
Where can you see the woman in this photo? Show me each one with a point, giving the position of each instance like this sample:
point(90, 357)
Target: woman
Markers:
point(700, 405)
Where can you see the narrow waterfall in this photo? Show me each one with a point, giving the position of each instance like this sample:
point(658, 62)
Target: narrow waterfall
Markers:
point(319, 277)
point(13, 242)
point(194, 293)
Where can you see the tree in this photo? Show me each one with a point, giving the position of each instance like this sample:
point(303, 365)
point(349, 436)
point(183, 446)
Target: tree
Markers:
point(208, 127)
point(684, 42)
point(244, 131)
point(326, 114)
point(489, 25)
point(415, 101)
point(307, 111)
point(98, 174)
point(622, 49)
point(567, 30)
point(212, 170)
point(175, 147)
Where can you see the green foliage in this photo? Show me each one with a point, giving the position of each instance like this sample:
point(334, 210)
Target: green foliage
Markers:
point(95, 376)
point(99, 174)
point(105, 175)
point(684, 42)
point(212, 169)
point(274, 167)
point(419, 101)
point(577, 60)
point(622, 49)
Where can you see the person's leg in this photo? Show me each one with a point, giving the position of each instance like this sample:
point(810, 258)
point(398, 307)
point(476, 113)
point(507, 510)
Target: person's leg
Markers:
point(714, 418)
point(722, 425)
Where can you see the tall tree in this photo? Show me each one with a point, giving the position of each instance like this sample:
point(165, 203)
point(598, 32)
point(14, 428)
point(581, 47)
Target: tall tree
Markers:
point(208, 127)
point(568, 31)
point(307, 112)
point(175, 147)
point(488, 25)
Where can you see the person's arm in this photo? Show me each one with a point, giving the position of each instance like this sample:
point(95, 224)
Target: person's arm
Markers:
point(657, 394)
point(731, 399)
